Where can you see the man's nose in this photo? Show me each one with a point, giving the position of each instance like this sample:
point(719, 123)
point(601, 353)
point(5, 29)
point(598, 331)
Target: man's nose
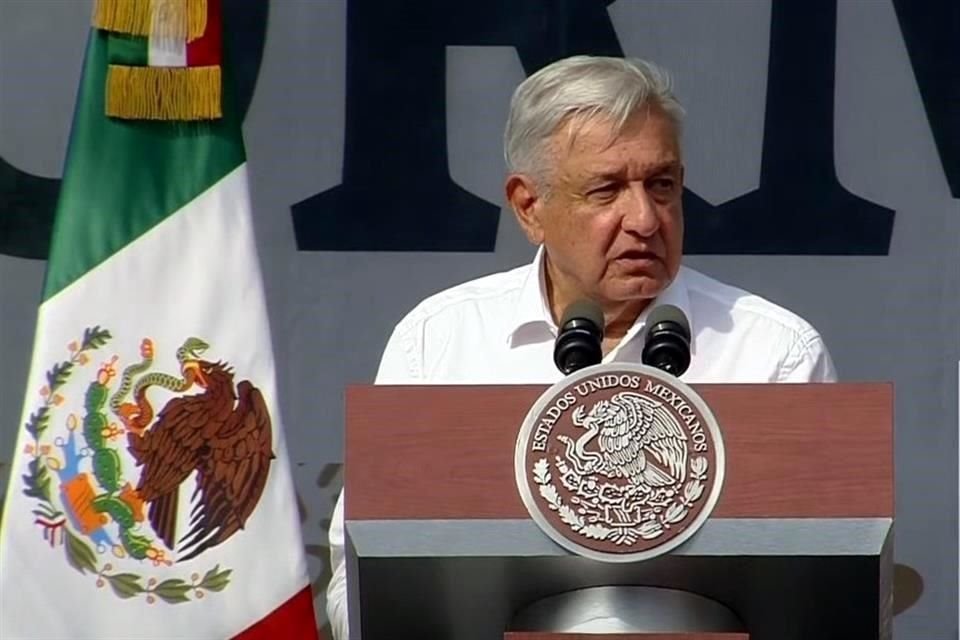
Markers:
point(639, 212)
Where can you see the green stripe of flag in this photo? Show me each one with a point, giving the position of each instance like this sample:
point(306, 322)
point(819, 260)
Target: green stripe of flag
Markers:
point(121, 177)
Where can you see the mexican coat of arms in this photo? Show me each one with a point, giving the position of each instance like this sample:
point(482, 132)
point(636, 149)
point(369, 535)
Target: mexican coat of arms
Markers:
point(619, 462)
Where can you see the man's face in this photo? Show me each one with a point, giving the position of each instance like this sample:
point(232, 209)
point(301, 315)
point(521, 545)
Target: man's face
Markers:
point(612, 223)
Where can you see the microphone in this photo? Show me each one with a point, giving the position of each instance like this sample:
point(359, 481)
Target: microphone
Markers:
point(667, 342)
point(581, 332)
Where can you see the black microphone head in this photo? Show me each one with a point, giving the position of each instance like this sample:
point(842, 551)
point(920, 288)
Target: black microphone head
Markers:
point(669, 313)
point(667, 342)
point(583, 309)
point(579, 340)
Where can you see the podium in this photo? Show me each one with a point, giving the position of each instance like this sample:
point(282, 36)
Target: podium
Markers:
point(439, 544)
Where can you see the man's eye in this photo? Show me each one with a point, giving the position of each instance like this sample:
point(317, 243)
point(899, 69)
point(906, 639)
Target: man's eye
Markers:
point(602, 192)
point(663, 185)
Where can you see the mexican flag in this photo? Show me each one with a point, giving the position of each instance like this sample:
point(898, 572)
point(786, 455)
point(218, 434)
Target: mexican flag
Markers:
point(151, 493)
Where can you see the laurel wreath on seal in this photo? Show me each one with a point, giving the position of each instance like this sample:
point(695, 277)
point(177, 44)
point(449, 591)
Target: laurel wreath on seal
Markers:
point(648, 529)
point(37, 485)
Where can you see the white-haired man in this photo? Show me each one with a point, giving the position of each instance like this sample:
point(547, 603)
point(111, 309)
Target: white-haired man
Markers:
point(592, 147)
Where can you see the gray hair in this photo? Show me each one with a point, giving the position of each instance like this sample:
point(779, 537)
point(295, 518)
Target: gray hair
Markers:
point(585, 87)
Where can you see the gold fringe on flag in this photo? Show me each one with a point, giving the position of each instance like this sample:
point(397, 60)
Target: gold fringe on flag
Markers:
point(181, 19)
point(196, 19)
point(123, 16)
point(164, 93)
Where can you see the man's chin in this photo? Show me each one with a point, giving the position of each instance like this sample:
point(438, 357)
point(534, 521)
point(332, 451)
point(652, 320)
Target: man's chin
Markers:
point(637, 289)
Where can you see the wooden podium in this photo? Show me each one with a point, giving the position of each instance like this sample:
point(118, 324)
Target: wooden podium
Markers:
point(799, 546)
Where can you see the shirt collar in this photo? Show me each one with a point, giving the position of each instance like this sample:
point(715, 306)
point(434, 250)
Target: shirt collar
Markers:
point(532, 319)
point(532, 315)
point(676, 294)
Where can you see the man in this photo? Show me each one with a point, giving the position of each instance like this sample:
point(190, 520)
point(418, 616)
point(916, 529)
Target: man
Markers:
point(595, 179)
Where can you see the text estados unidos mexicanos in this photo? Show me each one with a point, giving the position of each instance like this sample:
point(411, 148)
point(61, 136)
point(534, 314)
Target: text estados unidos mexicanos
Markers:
point(564, 402)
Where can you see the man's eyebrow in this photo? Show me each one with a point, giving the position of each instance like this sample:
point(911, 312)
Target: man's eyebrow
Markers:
point(669, 165)
point(604, 174)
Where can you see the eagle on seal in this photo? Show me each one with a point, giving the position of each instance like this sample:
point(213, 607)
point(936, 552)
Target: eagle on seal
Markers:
point(636, 441)
point(225, 435)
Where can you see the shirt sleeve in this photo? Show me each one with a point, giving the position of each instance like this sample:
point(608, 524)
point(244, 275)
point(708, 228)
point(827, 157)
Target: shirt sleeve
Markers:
point(337, 589)
point(810, 361)
point(401, 363)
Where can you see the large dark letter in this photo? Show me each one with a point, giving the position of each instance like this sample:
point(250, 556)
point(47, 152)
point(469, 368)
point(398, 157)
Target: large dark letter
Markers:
point(799, 207)
point(26, 212)
point(396, 193)
point(931, 31)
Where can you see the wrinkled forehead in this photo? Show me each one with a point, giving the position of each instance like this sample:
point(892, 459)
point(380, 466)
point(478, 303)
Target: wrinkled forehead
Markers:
point(598, 121)
point(596, 131)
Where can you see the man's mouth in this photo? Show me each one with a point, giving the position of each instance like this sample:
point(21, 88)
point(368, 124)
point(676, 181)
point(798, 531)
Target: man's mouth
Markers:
point(637, 255)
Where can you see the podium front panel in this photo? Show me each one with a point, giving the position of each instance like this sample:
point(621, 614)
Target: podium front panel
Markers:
point(799, 545)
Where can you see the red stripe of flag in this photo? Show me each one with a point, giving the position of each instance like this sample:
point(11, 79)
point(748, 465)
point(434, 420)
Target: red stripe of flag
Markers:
point(292, 621)
point(207, 49)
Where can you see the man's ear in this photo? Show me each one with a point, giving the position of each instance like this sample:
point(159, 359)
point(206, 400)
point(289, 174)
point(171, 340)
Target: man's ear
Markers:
point(527, 204)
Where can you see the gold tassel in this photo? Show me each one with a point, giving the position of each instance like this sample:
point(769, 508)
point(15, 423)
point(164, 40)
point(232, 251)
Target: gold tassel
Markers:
point(164, 93)
point(196, 19)
point(123, 16)
point(177, 19)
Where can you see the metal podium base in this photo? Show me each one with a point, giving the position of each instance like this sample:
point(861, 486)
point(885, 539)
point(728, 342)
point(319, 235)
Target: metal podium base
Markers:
point(626, 609)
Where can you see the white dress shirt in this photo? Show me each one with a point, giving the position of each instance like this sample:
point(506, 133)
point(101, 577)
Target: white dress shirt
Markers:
point(499, 330)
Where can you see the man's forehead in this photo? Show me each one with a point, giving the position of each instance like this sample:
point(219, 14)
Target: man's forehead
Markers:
point(595, 153)
point(633, 168)
point(592, 135)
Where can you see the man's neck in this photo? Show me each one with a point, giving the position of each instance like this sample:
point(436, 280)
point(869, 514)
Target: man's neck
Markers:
point(618, 317)
point(618, 321)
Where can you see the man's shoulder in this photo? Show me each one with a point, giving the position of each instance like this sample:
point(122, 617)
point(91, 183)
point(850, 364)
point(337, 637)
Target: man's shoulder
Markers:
point(715, 297)
point(493, 293)
point(752, 339)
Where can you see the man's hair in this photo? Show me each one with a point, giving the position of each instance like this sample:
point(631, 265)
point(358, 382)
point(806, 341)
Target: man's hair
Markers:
point(586, 88)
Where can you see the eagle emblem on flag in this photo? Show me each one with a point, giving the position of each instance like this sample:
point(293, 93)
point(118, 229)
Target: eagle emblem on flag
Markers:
point(110, 472)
